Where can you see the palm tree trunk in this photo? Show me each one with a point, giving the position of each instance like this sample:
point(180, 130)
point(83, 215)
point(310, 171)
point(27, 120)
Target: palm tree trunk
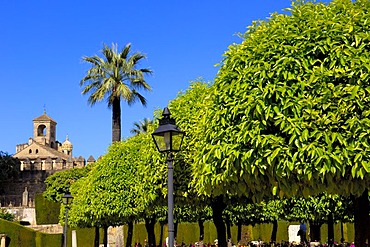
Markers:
point(116, 120)
point(218, 207)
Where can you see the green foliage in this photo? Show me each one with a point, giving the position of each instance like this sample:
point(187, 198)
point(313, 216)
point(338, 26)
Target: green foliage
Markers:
point(85, 236)
point(189, 232)
point(141, 126)
point(123, 184)
point(254, 213)
point(47, 212)
point(45, 240)
point(5, 215)
point(9, 166)
point(58, 183)
point(289, 114)
point(115, 77)
point(188, 109)
point(317, 208)
point(20, 235)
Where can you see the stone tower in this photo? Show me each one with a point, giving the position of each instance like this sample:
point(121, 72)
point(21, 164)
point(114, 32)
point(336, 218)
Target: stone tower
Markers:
point(44, 131)
point(67, 147)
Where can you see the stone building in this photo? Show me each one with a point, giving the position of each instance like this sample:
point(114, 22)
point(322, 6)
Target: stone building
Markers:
point(42, 156)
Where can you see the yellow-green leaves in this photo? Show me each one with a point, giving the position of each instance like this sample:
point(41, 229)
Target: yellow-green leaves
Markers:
point(292, 99)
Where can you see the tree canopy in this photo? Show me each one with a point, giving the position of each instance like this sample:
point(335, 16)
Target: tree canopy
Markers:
point(9, 166)
point(115, 77)
point(290, 106)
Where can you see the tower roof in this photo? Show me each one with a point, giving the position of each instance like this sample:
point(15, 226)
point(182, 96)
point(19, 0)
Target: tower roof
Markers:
point(44, 117)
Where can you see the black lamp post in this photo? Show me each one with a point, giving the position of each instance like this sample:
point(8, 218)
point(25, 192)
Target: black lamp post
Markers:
point(67, 200)
point(168, 139)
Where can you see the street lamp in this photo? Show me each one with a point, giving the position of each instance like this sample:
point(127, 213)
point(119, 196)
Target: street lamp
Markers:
point(168, 139)
point(67, 200)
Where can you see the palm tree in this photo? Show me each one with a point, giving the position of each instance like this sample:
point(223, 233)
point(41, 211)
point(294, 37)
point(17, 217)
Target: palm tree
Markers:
point(141, 126)
point(115, 77)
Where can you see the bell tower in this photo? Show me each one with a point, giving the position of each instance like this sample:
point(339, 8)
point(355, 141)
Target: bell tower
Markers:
point(44, 130)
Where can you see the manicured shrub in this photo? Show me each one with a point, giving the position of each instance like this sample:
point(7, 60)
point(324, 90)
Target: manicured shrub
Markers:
point(47, 212)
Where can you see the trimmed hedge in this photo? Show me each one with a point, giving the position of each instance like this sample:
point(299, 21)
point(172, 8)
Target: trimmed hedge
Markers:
point(47, 212)
point(189, 232)
point(18, 235)
point(85, 237)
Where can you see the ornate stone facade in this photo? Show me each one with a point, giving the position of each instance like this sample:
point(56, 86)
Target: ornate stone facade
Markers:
point(42, 156)
point(44, 152)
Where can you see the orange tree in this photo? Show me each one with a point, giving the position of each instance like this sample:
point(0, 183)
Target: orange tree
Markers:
point(290, 112)
point(318, 210)
point(124, 185)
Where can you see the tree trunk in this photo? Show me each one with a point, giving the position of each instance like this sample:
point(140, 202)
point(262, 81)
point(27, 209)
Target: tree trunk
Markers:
point(130, 231)
point(361, 215)
point(274, 231)
point(116, 120)
point(149, 225)
point(239, 237)
point(105, 237)
point(161, 235)
point(176, 224)
point(201, 229)
point(228, 228)
point(315, 234)
point(97, 237)
point(331, 229)
point(218, 207)
point(341, 233)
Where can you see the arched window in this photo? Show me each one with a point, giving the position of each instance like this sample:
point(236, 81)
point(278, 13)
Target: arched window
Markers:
point(41, 130)
point(30, 151)
point(37, 151)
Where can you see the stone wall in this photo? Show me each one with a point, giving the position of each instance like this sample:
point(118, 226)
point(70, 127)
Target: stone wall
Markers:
point(11, 192)
point(51, 229)
point(23, 214)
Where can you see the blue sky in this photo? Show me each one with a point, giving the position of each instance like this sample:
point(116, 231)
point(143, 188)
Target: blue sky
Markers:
point(43, 42)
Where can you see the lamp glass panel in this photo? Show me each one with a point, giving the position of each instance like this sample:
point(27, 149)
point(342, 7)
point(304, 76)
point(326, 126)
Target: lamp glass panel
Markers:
point(67, 199)
point(161, 144)
point(177, 140)
point(167, 140)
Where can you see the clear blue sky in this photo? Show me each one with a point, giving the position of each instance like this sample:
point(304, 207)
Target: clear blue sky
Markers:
point(43, 42)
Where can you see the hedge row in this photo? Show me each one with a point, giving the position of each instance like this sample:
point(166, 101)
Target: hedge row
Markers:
point(18, 235)
point(47, 212)
point(189, 232)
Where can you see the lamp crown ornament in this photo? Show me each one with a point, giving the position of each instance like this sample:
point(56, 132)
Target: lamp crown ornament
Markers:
point(166, 117)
